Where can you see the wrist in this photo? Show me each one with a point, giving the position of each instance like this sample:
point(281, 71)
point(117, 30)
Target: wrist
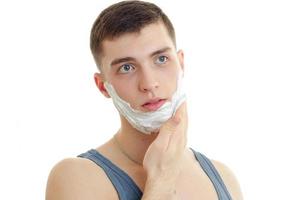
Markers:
point(159, 190)
point(161, 183)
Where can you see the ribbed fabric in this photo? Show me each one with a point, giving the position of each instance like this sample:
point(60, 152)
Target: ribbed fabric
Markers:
point(127, 188)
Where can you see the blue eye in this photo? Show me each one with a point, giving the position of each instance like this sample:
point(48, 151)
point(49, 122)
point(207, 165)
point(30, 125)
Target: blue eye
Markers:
point(125, 68)
point(161, 59)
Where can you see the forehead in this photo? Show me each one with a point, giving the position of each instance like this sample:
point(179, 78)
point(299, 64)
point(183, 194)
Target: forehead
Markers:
point(139, 44)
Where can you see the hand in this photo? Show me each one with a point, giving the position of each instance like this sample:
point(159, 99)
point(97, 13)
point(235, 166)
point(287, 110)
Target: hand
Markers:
point(163, 159)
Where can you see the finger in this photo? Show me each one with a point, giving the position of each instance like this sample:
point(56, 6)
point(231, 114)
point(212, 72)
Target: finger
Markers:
point(178, 140)
point(185, 125)
point(165, 132)
point(180, 110)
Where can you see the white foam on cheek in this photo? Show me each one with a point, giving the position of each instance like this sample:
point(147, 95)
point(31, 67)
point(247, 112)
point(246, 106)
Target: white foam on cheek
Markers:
point(147, 122)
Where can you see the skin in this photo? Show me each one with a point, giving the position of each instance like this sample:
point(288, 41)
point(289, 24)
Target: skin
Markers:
point(148, 80)
point(169, 169)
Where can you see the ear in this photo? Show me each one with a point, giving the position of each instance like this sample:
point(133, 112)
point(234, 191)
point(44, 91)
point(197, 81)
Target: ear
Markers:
point(180, 56)
point(99, 80)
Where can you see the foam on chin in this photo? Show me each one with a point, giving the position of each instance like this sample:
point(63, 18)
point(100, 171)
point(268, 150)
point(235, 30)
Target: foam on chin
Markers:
point(148, 122)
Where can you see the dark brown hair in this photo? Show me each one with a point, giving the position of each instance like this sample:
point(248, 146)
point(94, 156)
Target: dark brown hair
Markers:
point(125, 17)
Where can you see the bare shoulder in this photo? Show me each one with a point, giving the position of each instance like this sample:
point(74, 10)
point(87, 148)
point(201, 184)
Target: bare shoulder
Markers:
point(229, 179)
point(78, 178)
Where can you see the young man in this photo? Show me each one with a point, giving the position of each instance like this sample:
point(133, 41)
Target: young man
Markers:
point(134, 46)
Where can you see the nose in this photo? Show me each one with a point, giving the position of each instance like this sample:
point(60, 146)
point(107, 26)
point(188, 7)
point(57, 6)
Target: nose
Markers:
point(148, 81)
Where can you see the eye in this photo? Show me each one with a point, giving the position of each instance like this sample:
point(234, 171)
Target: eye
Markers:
point(124, 69)
point(162, 59)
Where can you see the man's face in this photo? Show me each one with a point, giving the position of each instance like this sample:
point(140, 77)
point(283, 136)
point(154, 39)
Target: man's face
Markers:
point(142, 66)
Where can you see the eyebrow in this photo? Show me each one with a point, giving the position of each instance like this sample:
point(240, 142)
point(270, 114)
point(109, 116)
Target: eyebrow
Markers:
point(127, 59)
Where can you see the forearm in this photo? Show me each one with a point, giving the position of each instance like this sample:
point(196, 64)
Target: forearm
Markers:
point(159, 190)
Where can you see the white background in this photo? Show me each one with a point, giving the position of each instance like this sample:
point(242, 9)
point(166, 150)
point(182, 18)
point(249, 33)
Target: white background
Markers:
point(242, 79)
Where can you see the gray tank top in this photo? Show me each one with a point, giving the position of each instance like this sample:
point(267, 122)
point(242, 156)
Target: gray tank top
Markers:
point(127, 188)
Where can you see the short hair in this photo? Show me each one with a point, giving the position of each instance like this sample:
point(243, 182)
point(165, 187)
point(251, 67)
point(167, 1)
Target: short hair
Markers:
point(125, 17)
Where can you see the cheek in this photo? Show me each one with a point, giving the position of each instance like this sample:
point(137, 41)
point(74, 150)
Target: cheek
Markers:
point(169, 81)
point(124, 89)
point(120, 89)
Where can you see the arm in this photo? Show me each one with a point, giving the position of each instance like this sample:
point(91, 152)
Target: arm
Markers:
point(76, 179)
point(229, 179)
point(159, 190)
point(164, 158)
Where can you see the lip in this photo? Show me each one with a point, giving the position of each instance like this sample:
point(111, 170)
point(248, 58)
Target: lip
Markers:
point(154, 104)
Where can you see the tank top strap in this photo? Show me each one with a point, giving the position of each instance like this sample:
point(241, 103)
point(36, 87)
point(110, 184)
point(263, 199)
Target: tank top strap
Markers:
point(127, 188)
point(213, 175)
point(124, 185)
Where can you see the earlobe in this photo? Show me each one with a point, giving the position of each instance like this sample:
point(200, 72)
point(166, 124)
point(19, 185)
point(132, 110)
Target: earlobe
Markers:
point(99, 80)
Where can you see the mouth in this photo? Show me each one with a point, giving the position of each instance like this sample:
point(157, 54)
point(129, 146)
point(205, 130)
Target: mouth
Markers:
point(154, 104)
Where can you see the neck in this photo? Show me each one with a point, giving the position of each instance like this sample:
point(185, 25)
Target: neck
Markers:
point(133, 142)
